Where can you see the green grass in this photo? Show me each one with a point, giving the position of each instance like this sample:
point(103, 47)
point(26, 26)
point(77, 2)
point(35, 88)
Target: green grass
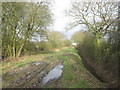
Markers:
point(81, 83)
point(70, 79)
point(69, 49)
point(67, 71)
point(74, 73)
point(23, 63)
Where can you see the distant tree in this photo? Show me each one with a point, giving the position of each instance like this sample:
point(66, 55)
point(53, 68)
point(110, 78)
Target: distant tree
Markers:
point(56, 39)
point(44, 46)
point(78, 36)
point(67, 42)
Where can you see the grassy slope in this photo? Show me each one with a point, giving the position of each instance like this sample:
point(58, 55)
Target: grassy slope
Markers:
point(74, 73)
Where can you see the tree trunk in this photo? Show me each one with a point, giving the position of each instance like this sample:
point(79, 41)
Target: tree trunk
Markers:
point(21, 47)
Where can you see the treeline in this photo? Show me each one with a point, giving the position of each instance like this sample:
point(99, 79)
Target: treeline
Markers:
point(53, 39)
point(20, 23)
point(99, 41)
point(24, 29)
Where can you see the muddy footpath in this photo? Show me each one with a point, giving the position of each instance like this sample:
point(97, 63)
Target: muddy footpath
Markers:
point(36, 74)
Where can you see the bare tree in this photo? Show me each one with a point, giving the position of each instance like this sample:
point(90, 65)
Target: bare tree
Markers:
point(99, 17)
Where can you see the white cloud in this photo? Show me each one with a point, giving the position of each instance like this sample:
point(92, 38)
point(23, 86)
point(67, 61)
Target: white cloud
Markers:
point(61, 20)
point(59, 14)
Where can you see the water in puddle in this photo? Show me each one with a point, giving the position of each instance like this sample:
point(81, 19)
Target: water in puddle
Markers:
point(37, 63)
point(55, 73)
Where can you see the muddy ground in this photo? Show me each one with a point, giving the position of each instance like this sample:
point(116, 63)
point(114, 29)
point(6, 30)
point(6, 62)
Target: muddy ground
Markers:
point(29, 76)
point(72, 75)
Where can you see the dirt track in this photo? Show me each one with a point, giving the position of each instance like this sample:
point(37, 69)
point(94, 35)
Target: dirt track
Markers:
point(30, 76)
point(72, 73)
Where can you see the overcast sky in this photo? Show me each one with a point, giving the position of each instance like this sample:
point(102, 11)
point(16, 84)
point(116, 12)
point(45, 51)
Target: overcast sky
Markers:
point(59, 8)
point(60, 18)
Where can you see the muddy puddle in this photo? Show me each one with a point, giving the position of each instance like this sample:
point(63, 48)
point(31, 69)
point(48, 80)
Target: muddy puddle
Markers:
point(55, 73)
point(37, 63)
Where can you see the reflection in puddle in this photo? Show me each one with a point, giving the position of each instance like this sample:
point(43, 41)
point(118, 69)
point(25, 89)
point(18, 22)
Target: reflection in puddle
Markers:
point(55, 73)
point(37, 63)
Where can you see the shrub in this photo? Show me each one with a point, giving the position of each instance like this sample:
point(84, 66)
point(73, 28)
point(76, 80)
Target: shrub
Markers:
point(101, 58)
